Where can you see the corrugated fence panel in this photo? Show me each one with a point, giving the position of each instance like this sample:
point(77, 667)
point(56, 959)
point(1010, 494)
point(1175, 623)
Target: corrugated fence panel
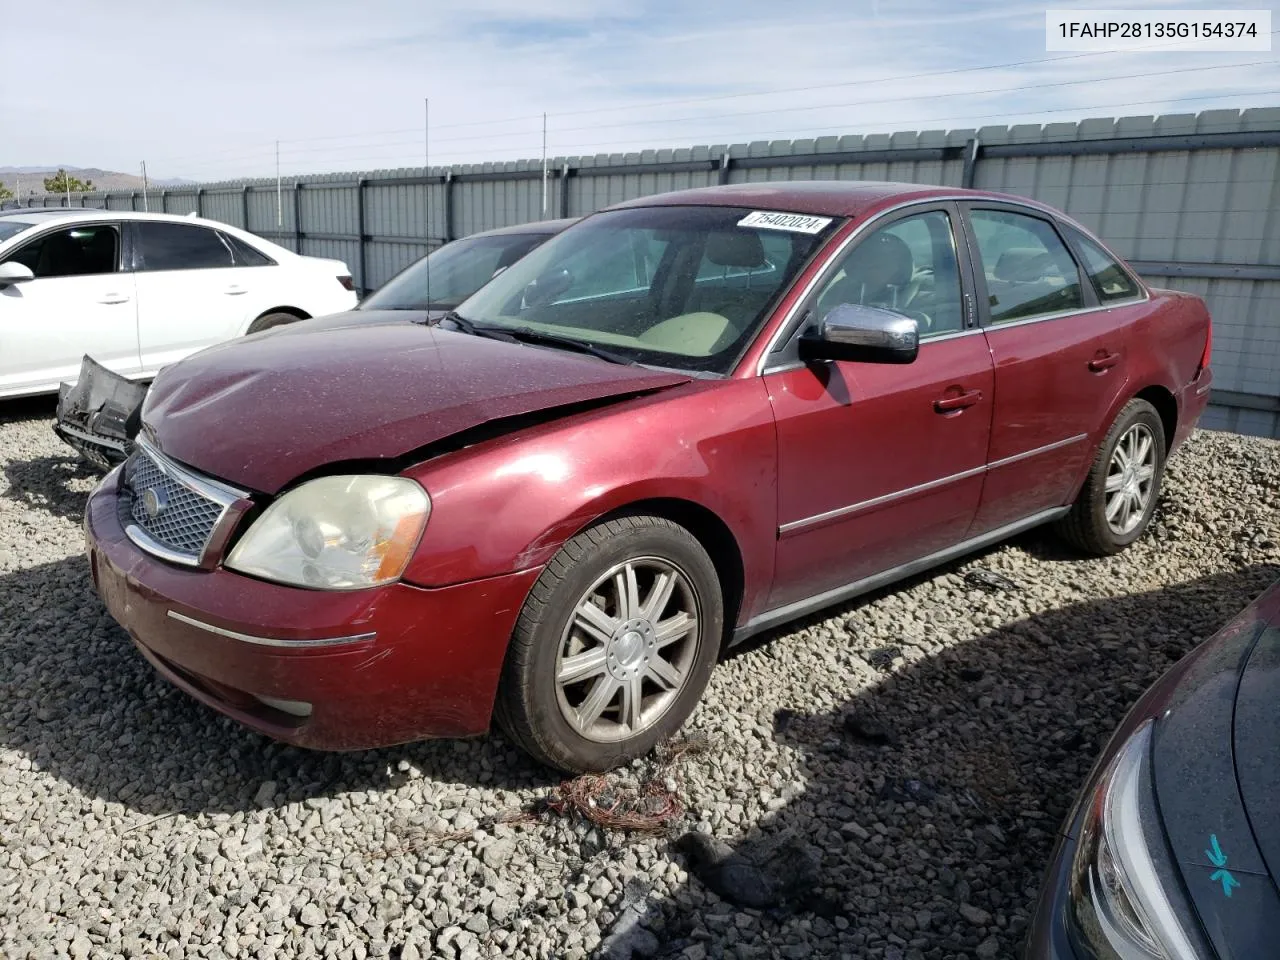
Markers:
point(1198, 211)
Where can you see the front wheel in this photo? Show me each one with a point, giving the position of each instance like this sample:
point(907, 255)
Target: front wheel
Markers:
point(614, 646)
point(1119, 495)
point(270, 320)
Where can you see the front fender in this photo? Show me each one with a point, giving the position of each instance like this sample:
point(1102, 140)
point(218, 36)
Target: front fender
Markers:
point(510, 503)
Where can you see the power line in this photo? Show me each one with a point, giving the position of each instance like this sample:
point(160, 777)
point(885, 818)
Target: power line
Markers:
point(643, 105)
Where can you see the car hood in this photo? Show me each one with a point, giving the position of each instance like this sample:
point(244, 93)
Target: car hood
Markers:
point(1216, 764)
point(262, 411)
point(357, 317)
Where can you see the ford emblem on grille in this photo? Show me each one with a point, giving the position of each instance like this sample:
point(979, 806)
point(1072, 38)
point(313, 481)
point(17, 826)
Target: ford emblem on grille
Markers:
point(153, 501)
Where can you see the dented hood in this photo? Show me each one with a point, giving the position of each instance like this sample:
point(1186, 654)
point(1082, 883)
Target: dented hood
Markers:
point(264, 410)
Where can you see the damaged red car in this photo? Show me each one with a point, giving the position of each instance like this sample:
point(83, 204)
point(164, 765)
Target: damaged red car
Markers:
point(683, 421)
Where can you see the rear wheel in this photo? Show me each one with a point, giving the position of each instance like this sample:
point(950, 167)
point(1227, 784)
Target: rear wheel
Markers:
point(614, 646)
point(269, 320)
point(1119, 495)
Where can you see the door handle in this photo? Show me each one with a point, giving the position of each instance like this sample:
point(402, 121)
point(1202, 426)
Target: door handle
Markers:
point(114, 298)
point(958, 402)
point(234, 291)
point(1104, 361)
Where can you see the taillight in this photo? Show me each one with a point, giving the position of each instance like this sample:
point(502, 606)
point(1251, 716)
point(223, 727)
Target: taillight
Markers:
point(347, 282)
point(1208, 349)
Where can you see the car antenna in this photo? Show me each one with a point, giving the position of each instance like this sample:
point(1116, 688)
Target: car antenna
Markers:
point(426, 188)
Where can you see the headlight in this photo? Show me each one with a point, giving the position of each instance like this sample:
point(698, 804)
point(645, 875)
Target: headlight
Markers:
point(1121, 870)
point(336, 533)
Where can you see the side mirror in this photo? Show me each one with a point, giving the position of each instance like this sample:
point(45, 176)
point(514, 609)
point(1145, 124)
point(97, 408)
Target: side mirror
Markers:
point(867, 334)
point(14, 272)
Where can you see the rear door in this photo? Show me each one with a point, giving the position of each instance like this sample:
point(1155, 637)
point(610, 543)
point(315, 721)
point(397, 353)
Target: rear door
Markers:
point(882, 464)
point(80, 302)
point(1061, 360)
point(191, 291)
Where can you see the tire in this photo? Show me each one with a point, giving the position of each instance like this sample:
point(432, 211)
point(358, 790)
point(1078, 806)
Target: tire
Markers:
point(555, 722)
point(269, 320)
point(1088, 526)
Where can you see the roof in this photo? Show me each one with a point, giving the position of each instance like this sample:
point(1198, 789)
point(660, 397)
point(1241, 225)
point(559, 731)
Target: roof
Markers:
point(545, 228)
point(36, 215)
point(832, 198)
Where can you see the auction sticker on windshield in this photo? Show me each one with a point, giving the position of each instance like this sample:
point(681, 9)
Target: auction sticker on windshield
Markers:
point(794, 222)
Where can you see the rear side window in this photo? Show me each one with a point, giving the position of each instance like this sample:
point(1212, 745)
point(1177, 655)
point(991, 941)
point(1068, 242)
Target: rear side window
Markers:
point(245, 255)
point(1028, 269)
point(180, 246)
point(1110, 279)
point(73, 252)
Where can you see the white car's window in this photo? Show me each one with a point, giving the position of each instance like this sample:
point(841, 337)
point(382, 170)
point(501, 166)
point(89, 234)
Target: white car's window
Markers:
point(908, 266)
point(73, 252)
point(246, 256)
point(180, 246)
point(1028, 269)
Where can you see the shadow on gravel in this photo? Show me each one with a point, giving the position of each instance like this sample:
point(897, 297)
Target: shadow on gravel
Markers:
point(48, 483)
point(932, 799)
point(28, 408)
point(83, 706)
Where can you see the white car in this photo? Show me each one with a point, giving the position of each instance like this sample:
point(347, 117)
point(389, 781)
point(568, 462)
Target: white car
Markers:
point(139, 291)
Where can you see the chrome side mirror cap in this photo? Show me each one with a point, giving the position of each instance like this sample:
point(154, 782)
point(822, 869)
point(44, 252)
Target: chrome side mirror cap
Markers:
point(862, 334)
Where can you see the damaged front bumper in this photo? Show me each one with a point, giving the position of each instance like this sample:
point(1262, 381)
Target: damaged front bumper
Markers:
point(100, 414)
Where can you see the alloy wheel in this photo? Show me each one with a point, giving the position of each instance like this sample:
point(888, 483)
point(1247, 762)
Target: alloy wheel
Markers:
point(628, 649)
point(1130, 479)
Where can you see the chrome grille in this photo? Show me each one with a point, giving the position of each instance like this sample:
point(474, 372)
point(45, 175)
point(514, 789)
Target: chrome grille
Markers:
point(167, 510)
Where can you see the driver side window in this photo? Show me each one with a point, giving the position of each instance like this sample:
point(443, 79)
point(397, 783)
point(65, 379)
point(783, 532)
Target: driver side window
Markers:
point(909, 267)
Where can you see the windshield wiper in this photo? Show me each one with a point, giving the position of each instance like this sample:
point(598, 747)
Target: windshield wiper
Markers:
point(463, 325)
point(567, 343)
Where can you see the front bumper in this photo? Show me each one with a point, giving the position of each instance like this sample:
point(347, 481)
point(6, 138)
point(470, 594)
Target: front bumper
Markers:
point(375, 667)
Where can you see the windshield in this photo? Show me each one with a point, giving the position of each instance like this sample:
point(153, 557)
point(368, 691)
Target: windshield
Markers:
point(683, 287)
point(11, 229)
point(455, 271)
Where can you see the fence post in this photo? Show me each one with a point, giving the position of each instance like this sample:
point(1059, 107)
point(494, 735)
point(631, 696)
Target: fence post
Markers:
point(297, 216)
point(133, 200)
point(446, 184)
point(972, 150)
point(724, 168)
point(200, 201)
point(565, 173)
point(244, 206)
point(164, 201)
point(360, 231)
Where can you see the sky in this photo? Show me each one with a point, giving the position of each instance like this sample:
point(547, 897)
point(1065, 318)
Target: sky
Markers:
point(204, 90)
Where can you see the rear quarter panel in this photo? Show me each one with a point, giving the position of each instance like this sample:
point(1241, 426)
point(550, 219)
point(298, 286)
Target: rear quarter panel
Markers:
point(1166, 340)
point(508, 504)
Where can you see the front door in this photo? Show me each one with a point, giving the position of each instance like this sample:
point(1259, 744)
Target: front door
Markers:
point(883, 464)
point(191, 292)
point(80, 302)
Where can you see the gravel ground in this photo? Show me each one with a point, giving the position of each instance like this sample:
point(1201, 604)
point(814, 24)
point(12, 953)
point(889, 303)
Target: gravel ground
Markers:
point(897, 768)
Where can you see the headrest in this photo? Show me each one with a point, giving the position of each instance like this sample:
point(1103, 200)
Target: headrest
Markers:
point(739, 248)
point(881, 260)
point(1023, 264)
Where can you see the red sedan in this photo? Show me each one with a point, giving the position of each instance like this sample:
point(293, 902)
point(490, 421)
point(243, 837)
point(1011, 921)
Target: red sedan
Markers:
point(682, 421)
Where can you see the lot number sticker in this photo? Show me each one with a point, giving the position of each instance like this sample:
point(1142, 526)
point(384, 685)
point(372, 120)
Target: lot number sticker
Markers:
point(792, 222)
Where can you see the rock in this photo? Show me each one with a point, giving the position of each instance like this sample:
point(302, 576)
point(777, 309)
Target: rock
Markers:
point(868, 730)
point(729, 875)
point(265, 793)
point(988, 949)
point(311, 916)
point(975, 915)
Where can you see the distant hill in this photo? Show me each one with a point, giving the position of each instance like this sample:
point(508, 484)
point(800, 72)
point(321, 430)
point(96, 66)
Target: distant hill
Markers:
point(31, 179)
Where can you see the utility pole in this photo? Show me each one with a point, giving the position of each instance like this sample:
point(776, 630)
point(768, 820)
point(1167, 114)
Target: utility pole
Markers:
point(146, 204)
point(544, 165)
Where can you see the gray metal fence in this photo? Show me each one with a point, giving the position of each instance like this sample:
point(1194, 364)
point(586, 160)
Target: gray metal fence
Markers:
point(1192, 200)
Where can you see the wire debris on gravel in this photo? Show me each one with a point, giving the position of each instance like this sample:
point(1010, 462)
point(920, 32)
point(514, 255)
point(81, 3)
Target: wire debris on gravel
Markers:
point(889, 774)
